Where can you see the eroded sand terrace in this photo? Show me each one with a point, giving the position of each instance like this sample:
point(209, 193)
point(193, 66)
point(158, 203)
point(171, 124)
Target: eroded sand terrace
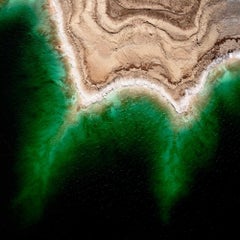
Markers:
point(162, 46)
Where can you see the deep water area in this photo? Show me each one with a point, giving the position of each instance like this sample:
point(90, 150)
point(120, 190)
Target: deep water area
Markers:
point(124, 171)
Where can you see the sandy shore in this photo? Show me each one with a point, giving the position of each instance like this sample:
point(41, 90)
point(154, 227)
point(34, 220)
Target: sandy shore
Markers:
point(177, 94)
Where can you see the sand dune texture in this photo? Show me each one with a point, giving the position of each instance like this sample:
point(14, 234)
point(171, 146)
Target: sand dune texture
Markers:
point(168, 42)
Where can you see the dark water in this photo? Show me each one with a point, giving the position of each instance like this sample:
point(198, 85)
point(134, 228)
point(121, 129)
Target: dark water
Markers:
point(116, 173)
point(31, 94)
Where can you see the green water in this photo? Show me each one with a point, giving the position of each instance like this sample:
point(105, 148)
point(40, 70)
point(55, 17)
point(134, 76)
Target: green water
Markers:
point(48, 148)
point(34, 96)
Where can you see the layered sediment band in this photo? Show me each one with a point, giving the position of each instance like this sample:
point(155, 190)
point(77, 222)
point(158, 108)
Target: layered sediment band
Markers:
point(108, 49)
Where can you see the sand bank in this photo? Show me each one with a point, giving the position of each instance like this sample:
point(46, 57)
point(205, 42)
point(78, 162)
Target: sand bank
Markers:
point(107, 51)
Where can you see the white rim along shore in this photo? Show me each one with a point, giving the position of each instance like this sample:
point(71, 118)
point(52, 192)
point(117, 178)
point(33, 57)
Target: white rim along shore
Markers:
point(86, 98)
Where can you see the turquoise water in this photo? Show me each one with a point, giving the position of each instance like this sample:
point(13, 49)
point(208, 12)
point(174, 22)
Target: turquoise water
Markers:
point(33, 93)
point(46, 150)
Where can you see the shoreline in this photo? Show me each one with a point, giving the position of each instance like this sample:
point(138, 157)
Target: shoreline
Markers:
point(86, 98)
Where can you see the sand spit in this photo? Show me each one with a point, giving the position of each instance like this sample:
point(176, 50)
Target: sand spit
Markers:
point(166, 48)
